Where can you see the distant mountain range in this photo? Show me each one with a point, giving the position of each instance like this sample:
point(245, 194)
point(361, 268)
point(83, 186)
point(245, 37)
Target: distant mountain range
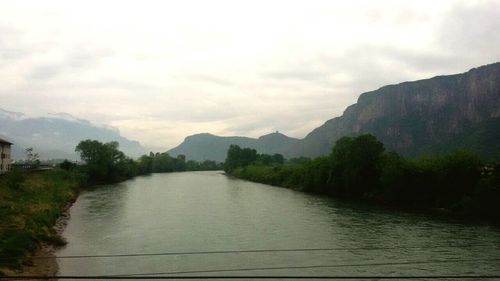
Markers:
point(412, 118)
point(56, 136)
point(210, 147)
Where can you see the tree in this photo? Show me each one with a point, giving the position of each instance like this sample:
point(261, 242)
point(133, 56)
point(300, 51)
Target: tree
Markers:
point(278, 158)
point(316, 174)
point(192, 165)
point(32, 158)
point(265, 159)
point(356, 165)
point(145, 165)
point(396, 179)
point(238, 157)
point(67, 165)
point(445, 179)
point(162, 162)
point(104, 162)
point(232, 158)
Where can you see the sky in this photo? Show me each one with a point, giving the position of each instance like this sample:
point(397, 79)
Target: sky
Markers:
point(162, 70)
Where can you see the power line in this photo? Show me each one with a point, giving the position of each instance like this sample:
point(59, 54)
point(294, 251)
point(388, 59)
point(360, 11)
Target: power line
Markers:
point(246, 251)
point(156, 275)
point(364, 277)
point(307, 267)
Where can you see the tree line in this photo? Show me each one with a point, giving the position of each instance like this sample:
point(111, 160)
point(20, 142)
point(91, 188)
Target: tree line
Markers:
point(105, 163)
point(240, 157)
point(359, 168)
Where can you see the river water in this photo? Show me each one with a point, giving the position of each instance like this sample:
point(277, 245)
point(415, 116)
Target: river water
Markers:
point(195, 212)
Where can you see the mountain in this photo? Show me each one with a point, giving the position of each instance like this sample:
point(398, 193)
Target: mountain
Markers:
point(56, 135)
point(206, 146)
point(425, 116)
point(411, 118)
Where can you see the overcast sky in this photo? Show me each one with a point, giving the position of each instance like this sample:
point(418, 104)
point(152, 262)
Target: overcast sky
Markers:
point(161, 70)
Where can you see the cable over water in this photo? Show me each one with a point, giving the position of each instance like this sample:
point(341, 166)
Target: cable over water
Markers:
point(255, 251)
point(310, 267)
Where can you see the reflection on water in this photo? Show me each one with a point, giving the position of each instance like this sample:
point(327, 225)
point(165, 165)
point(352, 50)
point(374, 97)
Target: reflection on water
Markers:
point(207, 211)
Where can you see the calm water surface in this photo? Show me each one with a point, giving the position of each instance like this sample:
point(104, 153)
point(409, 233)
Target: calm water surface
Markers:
point(207, 211)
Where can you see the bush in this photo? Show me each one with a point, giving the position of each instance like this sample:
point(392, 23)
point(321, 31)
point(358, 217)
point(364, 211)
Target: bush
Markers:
point(15, 179)
point(14, 243)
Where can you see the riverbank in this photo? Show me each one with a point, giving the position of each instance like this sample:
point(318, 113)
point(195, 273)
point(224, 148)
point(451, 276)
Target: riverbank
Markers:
point(47, 266)
point(479, 206)
point(42, 267)
point(457, 183)
point(37, 267)
point(33, 211)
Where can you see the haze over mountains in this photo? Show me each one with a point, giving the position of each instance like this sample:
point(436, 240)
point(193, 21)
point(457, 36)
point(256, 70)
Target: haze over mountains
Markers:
point(412, 118)
point(56, 135)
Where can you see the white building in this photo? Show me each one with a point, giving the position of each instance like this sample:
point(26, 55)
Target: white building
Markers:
point(4, 156)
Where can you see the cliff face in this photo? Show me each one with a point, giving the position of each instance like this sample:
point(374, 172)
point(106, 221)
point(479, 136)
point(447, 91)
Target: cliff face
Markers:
point(418, 117)
point(425, 116)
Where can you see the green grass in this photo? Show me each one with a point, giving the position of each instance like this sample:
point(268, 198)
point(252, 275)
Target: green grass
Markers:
point(30, 204)
point(279, 175)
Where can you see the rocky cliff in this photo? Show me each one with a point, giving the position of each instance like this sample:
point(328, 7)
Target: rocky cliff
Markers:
point(418, 117)
point(412, 118)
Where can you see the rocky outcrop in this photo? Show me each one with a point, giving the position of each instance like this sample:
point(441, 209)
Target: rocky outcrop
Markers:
point(417, 117)
point(412, 118)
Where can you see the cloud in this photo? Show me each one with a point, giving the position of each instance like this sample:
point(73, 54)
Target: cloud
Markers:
point(79, 58)
point(10, 49)
point(162, 71)
point(44, 72)
point(471, 29)
point(85, 56)
point(208, 79)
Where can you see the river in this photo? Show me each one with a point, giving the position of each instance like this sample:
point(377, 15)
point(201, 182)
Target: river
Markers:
point(194, 212)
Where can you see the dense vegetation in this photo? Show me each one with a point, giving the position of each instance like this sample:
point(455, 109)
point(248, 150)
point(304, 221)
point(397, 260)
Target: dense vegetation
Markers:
point(31, 201)
point(238, 157)
point(163, 162)
point(359, 168)
point(104, 163)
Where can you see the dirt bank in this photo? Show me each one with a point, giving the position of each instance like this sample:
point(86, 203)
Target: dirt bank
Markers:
point(46, 266)
point(43, 262)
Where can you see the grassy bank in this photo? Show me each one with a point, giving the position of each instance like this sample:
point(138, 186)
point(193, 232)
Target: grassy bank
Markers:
point(30, 204)
point(458, 183)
